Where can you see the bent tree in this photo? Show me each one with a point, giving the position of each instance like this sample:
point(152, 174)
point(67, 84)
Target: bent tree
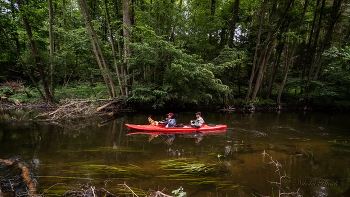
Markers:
point(105, 72)
point(37, 57)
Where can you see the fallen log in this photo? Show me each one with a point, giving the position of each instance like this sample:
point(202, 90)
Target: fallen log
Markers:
point(106, 105)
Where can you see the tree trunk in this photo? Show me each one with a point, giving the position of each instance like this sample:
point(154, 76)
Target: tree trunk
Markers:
point(97, 50)
point(274, 71)
point(113, 50)
point(51, 48)
point(252, 74)
point(313, 47)
point(233, 23)
point(37, 58)
point(336, 13)
point(126, 34)
point(267, 49)
point(14, 48)
point(263, 66)
point(291, 55)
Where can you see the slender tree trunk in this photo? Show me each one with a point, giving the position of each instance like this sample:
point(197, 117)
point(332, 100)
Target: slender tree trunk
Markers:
point(263, 59)
point(336, 13)
point(37, 58)
point(267, 49)
point(51, 48)
point(312, 49)
point(266, 56)
point(252, 75)
point(27, 71)
point(113, 50)
point(276, 63)
point(274, 70)
point(307, 54)
point(233, 23)
point(291, 55)
point(119, 31)
point(126, 34)
point(97, 50)
point(212, 13)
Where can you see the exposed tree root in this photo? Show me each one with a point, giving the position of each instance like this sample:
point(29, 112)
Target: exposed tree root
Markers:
point(8, 188)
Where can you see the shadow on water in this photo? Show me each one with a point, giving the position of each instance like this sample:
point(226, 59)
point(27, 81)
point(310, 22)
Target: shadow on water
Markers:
point(269, 154)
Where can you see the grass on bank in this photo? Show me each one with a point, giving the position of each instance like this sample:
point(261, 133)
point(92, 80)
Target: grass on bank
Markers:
point(75, 90)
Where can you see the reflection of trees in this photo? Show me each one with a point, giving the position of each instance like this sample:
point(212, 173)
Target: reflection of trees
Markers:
point(20, 134)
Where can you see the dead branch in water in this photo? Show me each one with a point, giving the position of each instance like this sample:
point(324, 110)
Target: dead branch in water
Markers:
point(91, 191)
point(283, 189)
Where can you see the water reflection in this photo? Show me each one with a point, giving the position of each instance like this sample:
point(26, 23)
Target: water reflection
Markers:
point(312, 150)
point(169, 137)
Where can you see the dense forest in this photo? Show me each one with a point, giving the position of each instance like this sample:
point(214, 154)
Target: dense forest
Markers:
point(179, 52)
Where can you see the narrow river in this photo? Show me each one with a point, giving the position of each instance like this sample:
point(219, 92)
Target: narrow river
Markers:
point(260, 154)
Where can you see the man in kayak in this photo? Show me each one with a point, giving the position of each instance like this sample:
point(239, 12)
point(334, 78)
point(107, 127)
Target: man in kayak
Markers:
point(170, 121)
point(199, 121)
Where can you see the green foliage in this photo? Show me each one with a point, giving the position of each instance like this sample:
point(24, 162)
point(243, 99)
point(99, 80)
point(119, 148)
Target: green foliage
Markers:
point(25, 94)
point(6, 91)
point(259, 101)
point(81, 90)
point(178, 50)
point(74, 90)
point(147, 93)
point(24, 98)
point(332, 86)
point(193, 82)
point(170, 75)
point(228, 59)
point(229, 67)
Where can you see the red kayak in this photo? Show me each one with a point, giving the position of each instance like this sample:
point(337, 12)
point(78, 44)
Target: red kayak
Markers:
point(185, 128)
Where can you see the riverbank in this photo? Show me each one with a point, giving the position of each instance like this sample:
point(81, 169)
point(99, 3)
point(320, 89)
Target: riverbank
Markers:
point(79, 108)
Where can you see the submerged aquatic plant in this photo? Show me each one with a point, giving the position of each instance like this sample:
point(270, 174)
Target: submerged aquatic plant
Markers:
point(186, 166)
point(179, 192)
point(194, 172)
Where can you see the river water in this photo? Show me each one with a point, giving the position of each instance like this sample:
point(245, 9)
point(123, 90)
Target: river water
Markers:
point(260, 154)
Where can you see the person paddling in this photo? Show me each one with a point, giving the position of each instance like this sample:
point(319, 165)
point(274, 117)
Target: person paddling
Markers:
point(170, 121)
point(199, 121)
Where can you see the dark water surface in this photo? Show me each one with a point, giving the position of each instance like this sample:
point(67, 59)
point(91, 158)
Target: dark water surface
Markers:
point(259, 154)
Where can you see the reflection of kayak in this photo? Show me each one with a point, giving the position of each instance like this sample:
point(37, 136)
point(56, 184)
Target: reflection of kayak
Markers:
point(185, 128)
point(185, 134)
